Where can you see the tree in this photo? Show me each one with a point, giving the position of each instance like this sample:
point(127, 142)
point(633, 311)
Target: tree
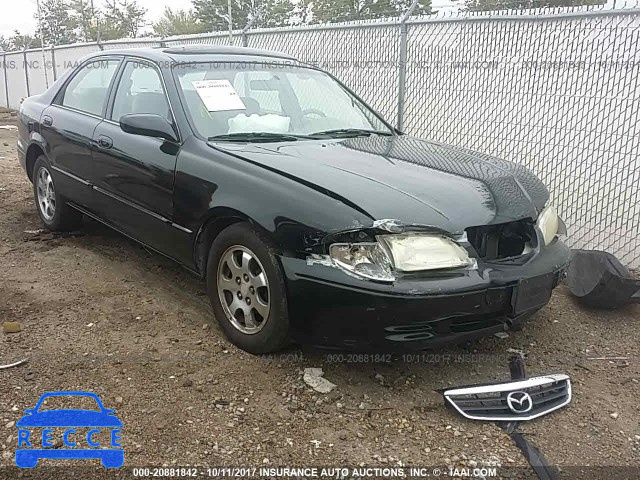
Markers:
point(58, 26)
point(348, 10)
point(86, 19)
point(22, 42)
point(302, 13)
point(487, 5)
point(5, 44)
point(134, 17)
point(277, 13)
point(213, 14)
point(122, 18)
point(177, 22)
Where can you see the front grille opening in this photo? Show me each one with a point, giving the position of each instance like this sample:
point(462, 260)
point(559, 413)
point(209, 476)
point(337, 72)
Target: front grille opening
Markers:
point(505, 240)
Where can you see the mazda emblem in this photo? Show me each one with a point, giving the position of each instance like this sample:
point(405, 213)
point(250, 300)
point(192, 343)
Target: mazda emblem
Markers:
point(519, 402)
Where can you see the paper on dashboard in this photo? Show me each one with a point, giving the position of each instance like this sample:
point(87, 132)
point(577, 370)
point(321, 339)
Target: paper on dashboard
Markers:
point(218, 95)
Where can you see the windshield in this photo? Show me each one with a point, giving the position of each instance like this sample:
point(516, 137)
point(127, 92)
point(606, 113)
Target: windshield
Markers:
point(262, 102)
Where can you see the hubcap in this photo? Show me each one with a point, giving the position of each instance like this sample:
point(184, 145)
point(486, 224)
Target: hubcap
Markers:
point(46, 194)
point(243, 289)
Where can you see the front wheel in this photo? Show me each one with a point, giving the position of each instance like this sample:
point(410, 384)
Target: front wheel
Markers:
point(247, 291)
point(52, 207)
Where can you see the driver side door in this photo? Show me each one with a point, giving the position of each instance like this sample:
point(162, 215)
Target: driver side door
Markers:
point(133, 175)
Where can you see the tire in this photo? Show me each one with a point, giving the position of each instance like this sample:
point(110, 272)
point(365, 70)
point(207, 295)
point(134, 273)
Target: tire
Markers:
point(52, 208)
point(242, 252)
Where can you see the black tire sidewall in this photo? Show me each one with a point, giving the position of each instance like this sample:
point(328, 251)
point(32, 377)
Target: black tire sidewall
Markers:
point(275, 333)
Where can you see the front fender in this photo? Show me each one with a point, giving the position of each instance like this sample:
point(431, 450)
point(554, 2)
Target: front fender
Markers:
point(210, 184)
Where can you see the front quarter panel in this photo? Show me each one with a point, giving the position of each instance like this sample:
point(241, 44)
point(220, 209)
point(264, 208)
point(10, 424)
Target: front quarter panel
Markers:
point(211, 183)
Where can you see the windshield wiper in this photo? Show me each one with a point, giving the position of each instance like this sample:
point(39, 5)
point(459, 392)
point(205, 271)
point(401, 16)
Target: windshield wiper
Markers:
point(257, 137)
point(348, 132)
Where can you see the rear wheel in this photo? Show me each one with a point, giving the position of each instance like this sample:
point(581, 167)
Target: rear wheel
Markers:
point(247, 290)
point(52, 207)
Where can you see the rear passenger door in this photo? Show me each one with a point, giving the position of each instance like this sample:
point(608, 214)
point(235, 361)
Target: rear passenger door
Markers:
point(68, 125)
point(133, 174)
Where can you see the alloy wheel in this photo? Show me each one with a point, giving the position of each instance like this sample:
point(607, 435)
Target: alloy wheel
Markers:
point(46, 194)
point(243, 289)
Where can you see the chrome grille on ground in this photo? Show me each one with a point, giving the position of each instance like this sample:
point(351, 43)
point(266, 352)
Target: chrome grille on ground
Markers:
point(512, 401)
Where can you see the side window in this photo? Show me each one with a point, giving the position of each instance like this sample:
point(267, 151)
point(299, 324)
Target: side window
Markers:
point(87, 90)
point(140, 91)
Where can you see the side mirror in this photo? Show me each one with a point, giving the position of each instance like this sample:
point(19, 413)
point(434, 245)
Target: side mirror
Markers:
point(148, 125)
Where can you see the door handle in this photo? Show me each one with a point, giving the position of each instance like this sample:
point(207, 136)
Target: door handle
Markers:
point(47, 121)
point(105, 142)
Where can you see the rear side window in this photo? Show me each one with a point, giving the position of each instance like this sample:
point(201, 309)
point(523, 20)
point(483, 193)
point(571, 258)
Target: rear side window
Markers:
point(87, 90)
point(140, 91)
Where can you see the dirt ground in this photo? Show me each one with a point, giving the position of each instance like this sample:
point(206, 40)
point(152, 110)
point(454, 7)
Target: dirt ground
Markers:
point(99, 313)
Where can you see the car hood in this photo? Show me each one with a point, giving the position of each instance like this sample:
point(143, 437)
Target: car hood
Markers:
point(405, 178)
point(69, 418)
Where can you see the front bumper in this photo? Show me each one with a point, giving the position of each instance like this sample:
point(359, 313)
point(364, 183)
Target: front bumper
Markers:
point(330, 309)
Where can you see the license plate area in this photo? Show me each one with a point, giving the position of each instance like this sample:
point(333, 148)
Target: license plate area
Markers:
point(532, 293)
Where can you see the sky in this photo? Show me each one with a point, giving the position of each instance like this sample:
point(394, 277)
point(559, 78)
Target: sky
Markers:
point(21, 14)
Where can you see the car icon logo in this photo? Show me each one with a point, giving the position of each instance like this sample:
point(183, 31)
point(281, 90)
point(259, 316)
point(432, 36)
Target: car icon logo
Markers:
point(69, 420)
point(519, 402)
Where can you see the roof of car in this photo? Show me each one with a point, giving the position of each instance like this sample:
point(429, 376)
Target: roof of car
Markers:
point(199, 53)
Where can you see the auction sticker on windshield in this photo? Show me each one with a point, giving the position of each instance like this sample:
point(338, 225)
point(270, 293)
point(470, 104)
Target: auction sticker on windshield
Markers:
point(218, 95)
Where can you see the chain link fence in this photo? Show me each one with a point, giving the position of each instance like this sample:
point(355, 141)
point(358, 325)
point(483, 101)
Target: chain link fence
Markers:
point(557, 91)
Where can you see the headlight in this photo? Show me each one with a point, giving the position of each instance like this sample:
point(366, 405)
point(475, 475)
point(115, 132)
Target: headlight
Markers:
point(367, 260)
point(550, 224)
point(405, 253)
point(417, 252)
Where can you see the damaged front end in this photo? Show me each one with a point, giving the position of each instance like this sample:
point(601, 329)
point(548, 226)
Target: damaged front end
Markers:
point(388, 248)
point(396, 286)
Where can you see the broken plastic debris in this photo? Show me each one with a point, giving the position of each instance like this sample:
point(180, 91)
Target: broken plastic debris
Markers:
point(598, 279)
point(389, 224)
point(313, 377)
point(15, 364)
point(315, 259)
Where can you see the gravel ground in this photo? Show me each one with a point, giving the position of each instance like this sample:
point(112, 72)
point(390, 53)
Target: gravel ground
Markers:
point(99, 313)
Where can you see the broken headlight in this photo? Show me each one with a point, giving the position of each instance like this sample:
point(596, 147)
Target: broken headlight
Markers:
point(405, 253)
point(550, 224)
point(418, 252)
point(366, 260)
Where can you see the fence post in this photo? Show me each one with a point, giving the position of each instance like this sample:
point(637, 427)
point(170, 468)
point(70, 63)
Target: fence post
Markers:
point(6, 80)
point(26, 72)
point(402, 63)
point(53, 63)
